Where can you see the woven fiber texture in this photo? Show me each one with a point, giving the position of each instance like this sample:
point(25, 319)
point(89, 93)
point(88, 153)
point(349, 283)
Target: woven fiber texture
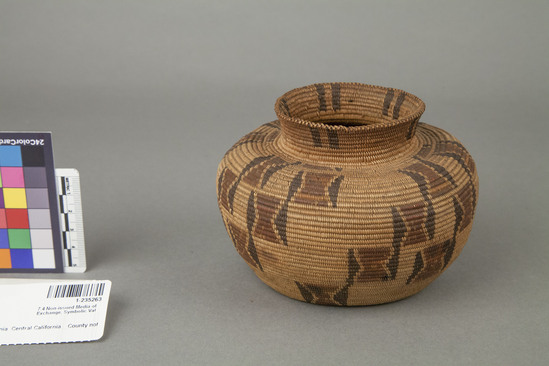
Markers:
point(347, 199)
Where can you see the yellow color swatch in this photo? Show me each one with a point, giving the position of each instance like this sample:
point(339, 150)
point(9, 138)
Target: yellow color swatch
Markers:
point(15, 198)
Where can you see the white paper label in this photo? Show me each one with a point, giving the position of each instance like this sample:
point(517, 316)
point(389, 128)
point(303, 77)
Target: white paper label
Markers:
point(52, 311)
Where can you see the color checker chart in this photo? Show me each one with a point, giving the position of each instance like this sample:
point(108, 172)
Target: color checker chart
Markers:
point(30, 239)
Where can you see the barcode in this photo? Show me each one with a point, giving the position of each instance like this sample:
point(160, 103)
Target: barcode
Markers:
point(77, 290)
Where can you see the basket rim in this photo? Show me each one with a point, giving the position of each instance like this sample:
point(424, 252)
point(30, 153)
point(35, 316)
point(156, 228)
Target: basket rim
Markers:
point(416, 114)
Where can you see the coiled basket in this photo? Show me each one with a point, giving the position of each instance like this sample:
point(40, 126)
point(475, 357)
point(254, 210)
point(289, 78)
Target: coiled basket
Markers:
point(347, 199)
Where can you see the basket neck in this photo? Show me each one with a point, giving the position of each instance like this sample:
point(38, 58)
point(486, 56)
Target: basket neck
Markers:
point(347, 122)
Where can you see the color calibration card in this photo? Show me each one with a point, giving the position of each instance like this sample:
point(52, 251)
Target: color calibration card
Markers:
point(30, 239)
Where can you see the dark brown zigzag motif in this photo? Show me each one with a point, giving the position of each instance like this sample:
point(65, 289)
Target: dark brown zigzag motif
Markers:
point(314, 188)
point(373, 262)
point(239, 238)
point(413, 215)
point(468, 171)
point(336, 96)
point(333, 139)
point(449, 146)
point(424, 152)
point(317, 294)
point(321, 97)
point(439, 181)
point(333, 190)
point(307, 295)
point(320, 189)
point(436, 257)
point(278, 164)
point(422, 184)
point(226, 180)
point(219, 180)
point(266, 169)
point(465, 196)
point(247, 168)
point(459, 216)
point(398, 104)
point(285, 106)
point(282, 217)
point(399, 230)
point(413, 125)
point(439, 169)
point(432, 258)
point(418, 266)
point(387, 102)
point(455, 150)
point(342, 295)
point(267, 207)
point(315, 135)
point(250, 218)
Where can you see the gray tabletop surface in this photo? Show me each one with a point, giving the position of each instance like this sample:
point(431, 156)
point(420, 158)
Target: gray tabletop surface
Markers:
point(145, 97)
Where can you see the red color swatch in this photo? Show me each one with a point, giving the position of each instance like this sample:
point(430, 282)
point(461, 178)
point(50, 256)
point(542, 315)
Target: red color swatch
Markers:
point(17, 218)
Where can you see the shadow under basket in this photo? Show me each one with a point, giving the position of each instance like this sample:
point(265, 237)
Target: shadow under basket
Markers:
point(347, 199)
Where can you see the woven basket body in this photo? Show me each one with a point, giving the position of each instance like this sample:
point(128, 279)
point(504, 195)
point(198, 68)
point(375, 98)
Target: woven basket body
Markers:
point(347, 199)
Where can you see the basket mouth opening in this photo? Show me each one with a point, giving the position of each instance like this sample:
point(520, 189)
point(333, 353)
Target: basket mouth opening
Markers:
point(348, 105)
point(345, 121)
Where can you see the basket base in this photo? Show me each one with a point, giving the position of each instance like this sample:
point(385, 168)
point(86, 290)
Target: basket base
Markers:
point(356, 295)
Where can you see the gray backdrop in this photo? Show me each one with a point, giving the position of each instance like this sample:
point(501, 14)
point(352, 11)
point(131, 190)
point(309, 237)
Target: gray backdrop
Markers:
point(144, 98)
